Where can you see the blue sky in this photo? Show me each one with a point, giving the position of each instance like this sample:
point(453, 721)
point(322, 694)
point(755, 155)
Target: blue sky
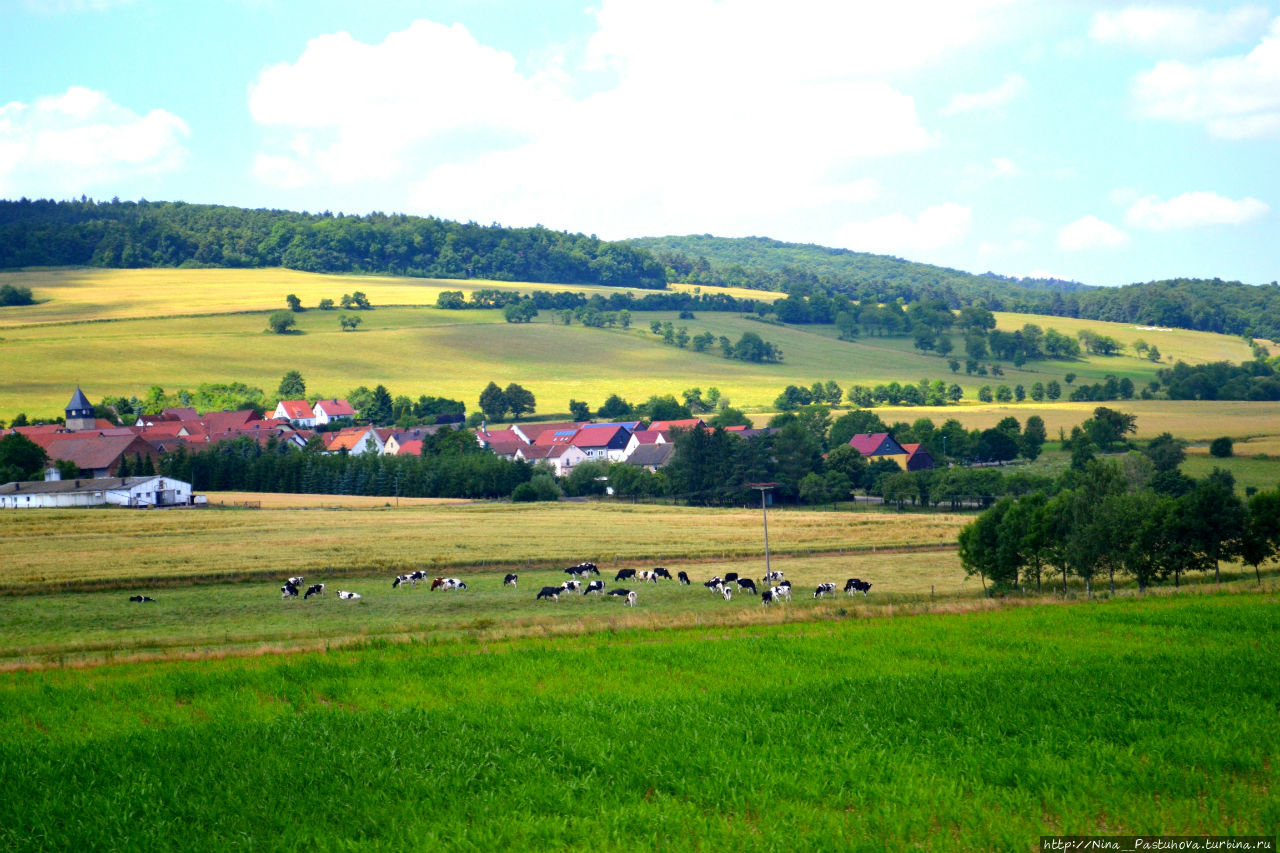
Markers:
point(1098, 142)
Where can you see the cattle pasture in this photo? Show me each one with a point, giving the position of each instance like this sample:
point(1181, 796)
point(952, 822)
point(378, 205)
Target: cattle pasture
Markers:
point(948, 732)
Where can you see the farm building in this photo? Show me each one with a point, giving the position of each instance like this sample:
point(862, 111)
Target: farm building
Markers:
point(879, 445)
point(116, 491)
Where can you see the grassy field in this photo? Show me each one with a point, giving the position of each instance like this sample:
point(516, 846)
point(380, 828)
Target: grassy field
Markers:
point(973, 731)
point(53, 549)
point(153, 339)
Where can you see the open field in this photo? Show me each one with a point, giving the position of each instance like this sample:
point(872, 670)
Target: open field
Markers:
point(51, 549)
point(969, 731)
point(276, 500)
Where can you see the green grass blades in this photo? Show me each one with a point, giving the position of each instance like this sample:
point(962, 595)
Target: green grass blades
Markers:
point(952, 732)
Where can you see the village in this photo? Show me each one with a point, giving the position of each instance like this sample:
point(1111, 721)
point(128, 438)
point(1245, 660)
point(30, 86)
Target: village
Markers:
point(92, 461)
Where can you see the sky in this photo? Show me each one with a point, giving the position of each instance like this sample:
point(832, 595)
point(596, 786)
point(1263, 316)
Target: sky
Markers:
point(1090, 141)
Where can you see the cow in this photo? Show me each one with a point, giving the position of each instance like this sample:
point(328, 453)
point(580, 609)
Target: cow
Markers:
point(823, 589)
point(772, 576)
point(416, 576)
point(436, 583)
point(289, 590)
point(646, 575)
point(348, 596)
point(747, 585)
point(631, 599)
point(730, 577)
point(715, 583)
point(660, 572)
point(571, 586)
point(623, 574)
point(551, 592)
point(620, 592)
point(766, 598)
point(780, 592)
point(141, 598)
point(452, 583)
point(726, 592)
point(510, 579)
point(683, 577)
point(856, 585)
point(314, 589)
point(399, 580)
point(296, 581)
point(594, 586)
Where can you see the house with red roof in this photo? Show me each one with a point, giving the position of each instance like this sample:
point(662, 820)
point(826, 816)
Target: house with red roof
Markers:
point(603, 443)
point(328, 411)
point(918, 459)
point(644, 437)
point(99, 455)
point(561, 457)
point(297, 412)
point(879, 445)
point(667, 426)
point(354, 440)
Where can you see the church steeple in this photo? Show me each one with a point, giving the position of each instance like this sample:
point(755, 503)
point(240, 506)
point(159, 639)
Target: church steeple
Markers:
point(80, 412)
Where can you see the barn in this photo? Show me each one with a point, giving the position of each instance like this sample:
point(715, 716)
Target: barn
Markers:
point(149, 491)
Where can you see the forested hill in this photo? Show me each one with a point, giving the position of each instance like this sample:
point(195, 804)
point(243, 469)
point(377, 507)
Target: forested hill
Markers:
point(170, 234)
point(1206, 305)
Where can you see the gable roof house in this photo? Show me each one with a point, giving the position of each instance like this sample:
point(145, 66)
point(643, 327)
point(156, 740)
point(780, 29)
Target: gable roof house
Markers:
point(327, 411)
point(297, 412)
point(354, 440)
point(603, 443)
point(879, 445)
point(97, 455)
point(561, 457)
point(687, 423)
point(651, 456)
point(644, 436)
point(150, 490)
point(918, 459)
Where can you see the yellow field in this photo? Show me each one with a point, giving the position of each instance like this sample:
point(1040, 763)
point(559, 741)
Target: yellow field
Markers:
point(273, 500)
point(1176, 344)
point(50, 548)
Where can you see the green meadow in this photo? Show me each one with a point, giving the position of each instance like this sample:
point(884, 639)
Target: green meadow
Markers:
point(968, 731)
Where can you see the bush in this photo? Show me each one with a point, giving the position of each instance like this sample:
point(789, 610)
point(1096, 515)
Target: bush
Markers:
point(281, 322)
point(1221, 447)
point(542, 487)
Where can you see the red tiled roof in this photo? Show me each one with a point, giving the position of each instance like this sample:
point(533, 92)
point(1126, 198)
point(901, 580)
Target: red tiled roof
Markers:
point(335, 408)
point(297, 409)
point(412, 447)
point(596, 437)
point(869, 444)
point(687, 423)
point(649, 436)
point(92, 450)
point(537, 432)
point(216, 422)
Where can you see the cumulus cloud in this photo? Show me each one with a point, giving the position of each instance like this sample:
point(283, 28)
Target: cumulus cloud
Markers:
point(704, 115)
point(1090, 232)
point(934, 228)
point(81, 139)
point(1193, 210)
point(1235, 97)
point(1180, 30)
point(1013, 86)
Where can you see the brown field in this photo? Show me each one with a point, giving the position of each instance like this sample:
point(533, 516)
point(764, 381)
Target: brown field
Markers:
point(53, 549)
point(276, 500)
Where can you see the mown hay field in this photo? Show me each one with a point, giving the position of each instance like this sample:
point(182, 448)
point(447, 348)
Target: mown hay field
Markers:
point(969, 731)
point(49, 549)
point(279, 500)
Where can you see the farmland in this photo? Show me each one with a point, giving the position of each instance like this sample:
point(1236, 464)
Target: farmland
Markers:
point(979, 730)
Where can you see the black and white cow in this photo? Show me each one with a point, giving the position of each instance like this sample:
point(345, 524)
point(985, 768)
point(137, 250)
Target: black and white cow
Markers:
point(660, 572)
point(594, 586)
point(856, 585)
point(647, 575)
point(766, 598)
point(781, 592)
point(823, 589)
point(620, 592)
point(623, 574)
point(289, 590)
point(683, 577)
point(715, 583)
point(510, 579)
point(631, 599)
point(296, 581)
point(571, 586)
point(730, 577)
point(348, 596)
point(726, 592)
point(773, 575)
point(747, 585)
point(551, 592)
point(400, 579)
point(141, 598)
point(314, 589)
point(452, 583)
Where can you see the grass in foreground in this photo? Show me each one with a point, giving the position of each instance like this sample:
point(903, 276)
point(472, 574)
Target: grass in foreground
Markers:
point(962, 732)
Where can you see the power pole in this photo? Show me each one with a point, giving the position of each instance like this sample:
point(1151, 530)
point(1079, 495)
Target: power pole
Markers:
point(764, 488)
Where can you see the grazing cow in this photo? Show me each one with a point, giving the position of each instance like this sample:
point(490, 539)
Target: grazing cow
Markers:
point(348, 596)
point(856, 585)
point(646, 575)
point(314, 589)
point(714, 583)
point(780, 592)
point(620, 592)
point(296, 581)
point(452, 583)
point(436, 583)
point(772, 576)
point(510, 580)
point(141, 598)
point(551, 592)
point(571, 586)
point(766, 598)
point(661, 573)
point(786, 585)
point(730, 577)
point(747, 584)
point(399, 580)
point(823, 589)
point(623, 574)
point(594, 586)
point(417, 575)
point(631, 599)
point(683, 577)
point(726, 592)
point(289, 590)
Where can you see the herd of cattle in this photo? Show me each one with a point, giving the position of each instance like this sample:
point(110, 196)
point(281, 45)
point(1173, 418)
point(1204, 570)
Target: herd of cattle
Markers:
point(776, 589)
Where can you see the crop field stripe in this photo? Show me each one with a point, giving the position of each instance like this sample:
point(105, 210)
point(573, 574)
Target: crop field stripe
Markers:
point(975, 731)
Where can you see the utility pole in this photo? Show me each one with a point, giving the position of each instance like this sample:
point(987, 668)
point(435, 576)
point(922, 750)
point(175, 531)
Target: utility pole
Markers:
point(764, 488)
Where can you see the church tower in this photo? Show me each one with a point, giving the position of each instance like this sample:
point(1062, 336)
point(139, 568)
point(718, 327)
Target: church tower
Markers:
point(80, 413)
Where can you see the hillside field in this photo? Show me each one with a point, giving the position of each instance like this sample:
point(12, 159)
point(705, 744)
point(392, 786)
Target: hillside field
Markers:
point(154, 339)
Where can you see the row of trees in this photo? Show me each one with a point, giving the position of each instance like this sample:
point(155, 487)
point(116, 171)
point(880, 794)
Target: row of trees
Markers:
point(749, 347)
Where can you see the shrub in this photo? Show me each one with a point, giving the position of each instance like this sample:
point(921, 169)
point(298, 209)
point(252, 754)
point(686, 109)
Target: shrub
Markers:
point(542, 487)
point(281, 322)
point(1220, 447)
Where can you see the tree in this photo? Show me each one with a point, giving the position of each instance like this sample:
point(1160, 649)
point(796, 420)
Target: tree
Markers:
point(1221, 448)
point(380, 411)
point(349, 323)
point(579, 411)
point(1261, 540)
point(854, 423)
point(728, 417)
point(980, 551)
point(1108, 427)
point(540, 487)
point(985, 395)
point(1033, 437)
point(1213, 519)
point(20, 458)
point(614, 408)
point(281, 322)
point(519, 399)
point(292, 386)
point(1053, 390)
point(294, 303)
point(493, 403)
point(520, 312)
point(326, 305)
point(1166, 452)
point(1037, 391)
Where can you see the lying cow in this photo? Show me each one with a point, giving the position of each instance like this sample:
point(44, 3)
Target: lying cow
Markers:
point(510, 580)
point(141, 598)
point(623, 574)
point(620, 592)
point(348, 596)
point(823, 589)
point(594, 586)
point(314, 589)
point(551, 592)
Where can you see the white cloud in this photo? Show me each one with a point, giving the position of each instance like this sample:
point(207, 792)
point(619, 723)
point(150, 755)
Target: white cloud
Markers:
point(1180, 30)
point(1013, 86)
point(81, 139)
point(710, 116)
point(1235, 97)
point(1193, 210)
point(936, 227)
point(1090, 232)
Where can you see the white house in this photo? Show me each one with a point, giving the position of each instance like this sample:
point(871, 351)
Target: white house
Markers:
point(327, 411)
point(118, 491)
point(297, 412)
